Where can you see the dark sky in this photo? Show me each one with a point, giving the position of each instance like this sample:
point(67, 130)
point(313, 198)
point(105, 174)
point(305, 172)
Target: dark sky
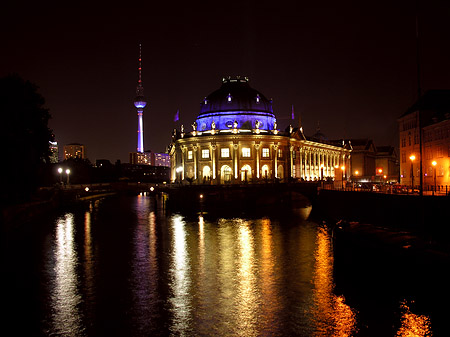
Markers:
point(349, 65)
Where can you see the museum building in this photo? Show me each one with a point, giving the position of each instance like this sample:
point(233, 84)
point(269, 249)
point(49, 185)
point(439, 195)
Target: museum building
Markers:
point(236, 139)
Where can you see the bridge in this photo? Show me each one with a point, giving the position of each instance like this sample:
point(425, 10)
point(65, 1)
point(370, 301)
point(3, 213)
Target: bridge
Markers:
point(225, 199)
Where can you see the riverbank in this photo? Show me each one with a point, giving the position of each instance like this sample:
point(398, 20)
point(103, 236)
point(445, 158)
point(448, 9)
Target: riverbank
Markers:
point(18, 214)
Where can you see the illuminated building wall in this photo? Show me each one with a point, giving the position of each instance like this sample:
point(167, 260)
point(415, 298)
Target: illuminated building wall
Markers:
point(436, 141)
point(370, 163)
point(54, 152)
point(434, 108)
point(74, 150)
point(236, 139)
point(161, 159)
point(141, 158)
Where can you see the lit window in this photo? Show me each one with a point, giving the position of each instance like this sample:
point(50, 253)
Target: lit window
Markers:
point(225, 153)
point(257, 98)
point(190, 155)
point(265, 152)
point(246, 152)
point(205, 153)
point(280, 153)
point(229, 97)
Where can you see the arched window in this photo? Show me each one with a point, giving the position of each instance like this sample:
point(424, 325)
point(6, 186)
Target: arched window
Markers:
point(206, 173)
point(246, 173)
point(225, 174)
point(280, 172)
point(265, 172)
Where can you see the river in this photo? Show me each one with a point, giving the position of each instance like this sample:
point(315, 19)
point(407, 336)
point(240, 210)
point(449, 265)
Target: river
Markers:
point(122, 266)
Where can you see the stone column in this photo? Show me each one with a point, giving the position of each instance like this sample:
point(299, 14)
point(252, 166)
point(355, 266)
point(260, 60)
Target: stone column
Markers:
point(213, 154)
point(291, 160)
point(195, 161)
point(257, 147)
point(275, 155)
point(235, 160)
point(300, 155)
point(183, 153)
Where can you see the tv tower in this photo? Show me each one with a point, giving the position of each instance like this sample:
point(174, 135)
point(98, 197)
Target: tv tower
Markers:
point(140, 103)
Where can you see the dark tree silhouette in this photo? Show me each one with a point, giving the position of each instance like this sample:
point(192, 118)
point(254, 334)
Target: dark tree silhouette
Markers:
point(24, 136)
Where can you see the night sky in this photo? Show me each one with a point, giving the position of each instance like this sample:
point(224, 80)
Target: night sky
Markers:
point(351, 66)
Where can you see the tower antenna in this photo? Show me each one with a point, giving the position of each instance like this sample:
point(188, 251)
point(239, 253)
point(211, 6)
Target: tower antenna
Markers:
point(140, 103)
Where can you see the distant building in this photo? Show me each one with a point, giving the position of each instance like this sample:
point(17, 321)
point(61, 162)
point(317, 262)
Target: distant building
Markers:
point(387, 161)
point(363, 160)
point(141, 158)
point(74, 150)
point(150, 158)
point(373, 164)
point(433, 108)
point(161, 159)
point(54, 152)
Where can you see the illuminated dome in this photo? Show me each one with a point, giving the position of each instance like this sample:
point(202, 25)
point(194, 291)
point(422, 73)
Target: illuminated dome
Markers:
point(236, 101)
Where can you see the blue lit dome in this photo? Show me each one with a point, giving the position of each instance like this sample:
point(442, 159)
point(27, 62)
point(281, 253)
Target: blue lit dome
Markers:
point(236, 101)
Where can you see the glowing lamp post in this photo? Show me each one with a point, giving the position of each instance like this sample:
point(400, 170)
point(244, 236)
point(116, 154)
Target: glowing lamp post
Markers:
point(68, 173)
point(343, 170)
point(60, 171)
point(434, 167)
point(412, 158)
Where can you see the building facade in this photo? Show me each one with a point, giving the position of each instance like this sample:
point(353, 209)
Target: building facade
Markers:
point(54, 152)
point(74, 150)
point(236, 139)
point(150, 158)
point(373, 164)
point(433, 131)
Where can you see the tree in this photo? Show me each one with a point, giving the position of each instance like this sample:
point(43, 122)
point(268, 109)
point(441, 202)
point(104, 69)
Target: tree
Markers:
point(24, 136)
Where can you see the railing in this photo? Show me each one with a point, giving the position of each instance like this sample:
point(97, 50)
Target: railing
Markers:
point(441, 190)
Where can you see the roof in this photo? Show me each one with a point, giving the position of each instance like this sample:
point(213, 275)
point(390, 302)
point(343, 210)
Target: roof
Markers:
point(235, 95)
point(432, 100)
point(363, 144)
point(386, 150)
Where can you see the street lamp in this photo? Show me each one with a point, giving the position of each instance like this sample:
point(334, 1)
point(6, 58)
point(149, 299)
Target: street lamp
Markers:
point(412, 158)
point(343, 170)
point(434, 166)
point(60, 170)
point(67, 172)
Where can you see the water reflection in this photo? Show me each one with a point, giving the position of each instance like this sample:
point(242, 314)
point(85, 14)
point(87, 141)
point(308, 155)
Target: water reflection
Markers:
point(64, 287)
point(269, 292)
point(145, 268)
point(180, 279)
point(88, 263)
point(236, 277)
point(247, 296)
point(332, 316)
point(413, 325)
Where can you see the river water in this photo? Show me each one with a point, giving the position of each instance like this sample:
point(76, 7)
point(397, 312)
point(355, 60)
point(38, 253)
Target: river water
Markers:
point(121, 266)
